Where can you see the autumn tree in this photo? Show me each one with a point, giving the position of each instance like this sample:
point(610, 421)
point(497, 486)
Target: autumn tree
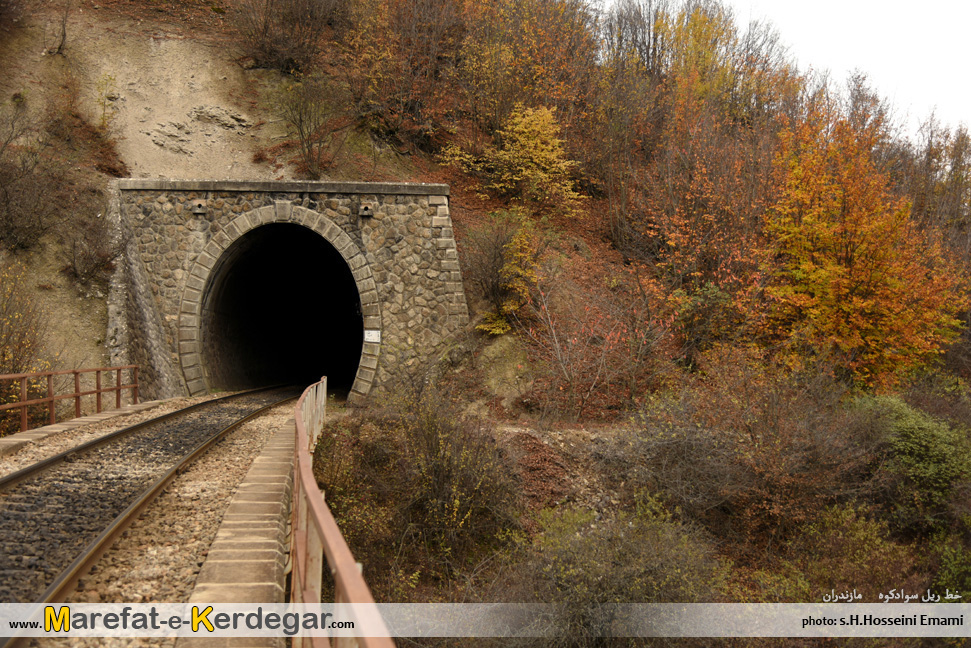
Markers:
point(696, 217)
point(686, 128)
point(702, 39)
point(312, 109)
point(529, 166)
point(286, 35)
point(532, 52)
point(935, 173)
point(620, 131)
point(854, 279)
point(400, 58)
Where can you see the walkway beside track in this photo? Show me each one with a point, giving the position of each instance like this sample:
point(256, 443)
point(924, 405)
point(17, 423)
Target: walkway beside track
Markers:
point(247, 559)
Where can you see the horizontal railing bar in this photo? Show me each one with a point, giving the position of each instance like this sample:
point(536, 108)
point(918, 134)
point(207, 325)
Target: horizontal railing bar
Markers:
point(62, 372)
point(48, 399)
point(23, 404)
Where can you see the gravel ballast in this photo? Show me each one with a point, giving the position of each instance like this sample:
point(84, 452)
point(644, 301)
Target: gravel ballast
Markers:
point(159, 557)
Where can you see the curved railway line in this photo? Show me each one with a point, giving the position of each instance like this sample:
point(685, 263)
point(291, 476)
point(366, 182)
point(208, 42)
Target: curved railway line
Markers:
point(59, 515)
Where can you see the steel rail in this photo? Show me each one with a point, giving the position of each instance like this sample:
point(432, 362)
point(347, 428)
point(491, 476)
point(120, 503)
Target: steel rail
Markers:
point(68, 578)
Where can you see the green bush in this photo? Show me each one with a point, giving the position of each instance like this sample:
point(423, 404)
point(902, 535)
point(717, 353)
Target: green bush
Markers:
point(848, 549)
point(925, 460)
point(954, 568)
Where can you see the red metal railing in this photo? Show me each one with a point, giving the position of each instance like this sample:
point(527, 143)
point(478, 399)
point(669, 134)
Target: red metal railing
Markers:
point(29, 381)
point(316, 535)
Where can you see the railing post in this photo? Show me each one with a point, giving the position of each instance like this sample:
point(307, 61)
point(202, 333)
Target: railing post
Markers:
point(77, 394)
point(50, 395)
point(23, 410)
point(28, 398)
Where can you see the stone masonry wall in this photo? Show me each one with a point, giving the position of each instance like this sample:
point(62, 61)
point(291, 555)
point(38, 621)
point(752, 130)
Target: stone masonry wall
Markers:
point(403, 259)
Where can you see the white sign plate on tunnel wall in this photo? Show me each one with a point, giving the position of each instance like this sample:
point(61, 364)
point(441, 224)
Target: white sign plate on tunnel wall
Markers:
point(372, 336)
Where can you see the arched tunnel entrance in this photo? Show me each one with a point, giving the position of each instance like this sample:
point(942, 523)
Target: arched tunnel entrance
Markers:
point(281, 306)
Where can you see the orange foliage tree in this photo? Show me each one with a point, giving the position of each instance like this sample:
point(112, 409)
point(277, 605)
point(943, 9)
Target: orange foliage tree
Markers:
point(698, 217)
point(853, 279)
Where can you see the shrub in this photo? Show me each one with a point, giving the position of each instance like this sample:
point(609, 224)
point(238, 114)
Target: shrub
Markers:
point(416, 487)
point(589, 566)
point(354, 483)
point(461, 491)
point(283, 34)
point(599, 350)
point(26, 211)
point(954, 568)
point(309, 106)
point(926, 460)
point(706, 315)
point(90, 248)
point(747, 448)
point(847, 549)
point(941, 395)
point(502, 260)
point(21, 338)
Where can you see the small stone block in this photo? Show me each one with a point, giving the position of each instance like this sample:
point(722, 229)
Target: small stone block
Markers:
point(195, 283)
point(283, 209)
point(188, 334)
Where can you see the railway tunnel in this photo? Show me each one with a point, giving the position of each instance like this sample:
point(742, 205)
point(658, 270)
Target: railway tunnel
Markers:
point(272, 290)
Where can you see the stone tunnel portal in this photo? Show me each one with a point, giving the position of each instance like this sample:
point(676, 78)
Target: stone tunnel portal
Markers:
point(257, 317)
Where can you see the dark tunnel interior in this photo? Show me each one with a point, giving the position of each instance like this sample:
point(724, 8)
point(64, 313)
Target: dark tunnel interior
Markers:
point(281, 306)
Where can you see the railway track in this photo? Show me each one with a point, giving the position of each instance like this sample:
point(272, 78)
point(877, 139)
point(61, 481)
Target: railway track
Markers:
point(59, 515)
